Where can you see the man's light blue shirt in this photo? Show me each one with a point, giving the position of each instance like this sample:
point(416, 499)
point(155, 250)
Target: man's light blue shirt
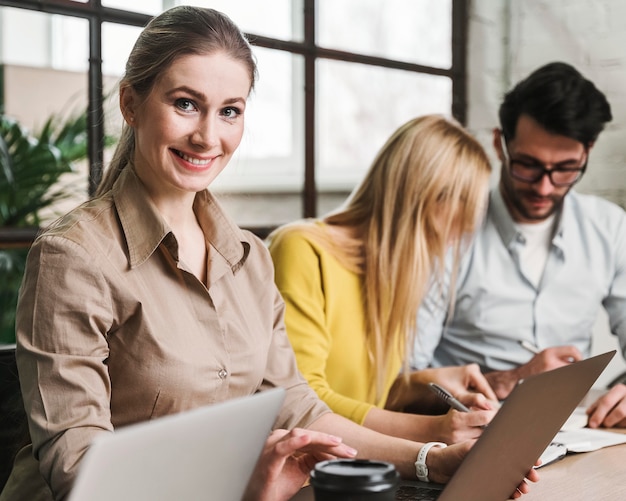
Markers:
point(496, 306)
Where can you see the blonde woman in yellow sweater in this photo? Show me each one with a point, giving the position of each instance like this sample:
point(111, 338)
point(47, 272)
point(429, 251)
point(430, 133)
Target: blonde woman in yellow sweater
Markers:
point(353, 281)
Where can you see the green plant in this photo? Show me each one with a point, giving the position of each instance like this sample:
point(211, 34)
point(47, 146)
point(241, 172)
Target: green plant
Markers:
point(32, 165)
point(12, 262)
point(32, 168)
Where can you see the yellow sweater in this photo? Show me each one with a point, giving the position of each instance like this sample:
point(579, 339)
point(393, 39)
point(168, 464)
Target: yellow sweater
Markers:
point(325, 324)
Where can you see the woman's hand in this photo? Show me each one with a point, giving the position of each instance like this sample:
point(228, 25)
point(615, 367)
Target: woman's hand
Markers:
point(460, 380)
point(443, 463)
point(523, 487)
point(456, 426)
point(413, 394)
point(287, 459)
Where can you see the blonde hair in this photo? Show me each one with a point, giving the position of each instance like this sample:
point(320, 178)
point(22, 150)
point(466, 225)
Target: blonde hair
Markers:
point(177, 32)
point(423, 194)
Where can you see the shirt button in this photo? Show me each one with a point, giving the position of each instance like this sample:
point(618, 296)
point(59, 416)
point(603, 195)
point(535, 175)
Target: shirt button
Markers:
point(222, 373)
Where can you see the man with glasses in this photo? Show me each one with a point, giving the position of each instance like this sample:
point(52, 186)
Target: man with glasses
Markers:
point(545, 258)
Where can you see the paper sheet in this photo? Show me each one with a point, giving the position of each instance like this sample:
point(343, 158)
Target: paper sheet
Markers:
point(588, 439)
point(552, 453)
point(577, 420)
point(574, 437)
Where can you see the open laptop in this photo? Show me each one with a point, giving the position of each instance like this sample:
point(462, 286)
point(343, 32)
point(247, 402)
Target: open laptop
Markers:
point(206, 453)
point(523, 427)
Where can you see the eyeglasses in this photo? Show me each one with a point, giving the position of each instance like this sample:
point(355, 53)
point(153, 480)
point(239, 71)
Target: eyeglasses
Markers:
point(533, 172)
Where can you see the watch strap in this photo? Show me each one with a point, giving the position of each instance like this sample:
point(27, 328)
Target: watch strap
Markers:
point(421, 470)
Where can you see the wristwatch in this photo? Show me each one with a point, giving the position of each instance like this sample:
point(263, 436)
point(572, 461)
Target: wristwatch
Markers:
point(421, 470)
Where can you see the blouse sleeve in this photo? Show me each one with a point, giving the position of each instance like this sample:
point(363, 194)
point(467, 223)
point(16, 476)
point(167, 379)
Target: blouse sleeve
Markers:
point(61, 322)
point(301, 406)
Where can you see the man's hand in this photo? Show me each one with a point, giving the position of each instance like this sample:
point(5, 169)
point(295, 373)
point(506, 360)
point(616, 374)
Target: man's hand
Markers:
point(609, 410)
point(503, 382)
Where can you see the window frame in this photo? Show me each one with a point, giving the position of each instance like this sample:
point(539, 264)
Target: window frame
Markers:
point(96, 14)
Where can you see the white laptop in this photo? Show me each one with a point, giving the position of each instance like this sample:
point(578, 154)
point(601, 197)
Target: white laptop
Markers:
point(524, 425)
point(206, 453)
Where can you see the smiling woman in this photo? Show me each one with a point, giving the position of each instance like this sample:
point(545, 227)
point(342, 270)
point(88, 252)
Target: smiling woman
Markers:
point(186, 131)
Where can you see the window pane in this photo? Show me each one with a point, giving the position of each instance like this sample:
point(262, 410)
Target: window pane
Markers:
point(143, 6)
point(117, 42)
point(70, 43)
point(359, 107)
point(20, 46)
point(271, 18)
point(36, 59)
point(270, 154)
point(51, 41)
point(270, 158)
point(419, 31)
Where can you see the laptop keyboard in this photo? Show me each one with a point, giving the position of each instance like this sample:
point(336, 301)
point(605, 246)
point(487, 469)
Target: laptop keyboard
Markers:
point(412, 493)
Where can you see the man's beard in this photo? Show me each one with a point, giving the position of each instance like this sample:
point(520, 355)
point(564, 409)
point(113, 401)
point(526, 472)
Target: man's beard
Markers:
point(515, 199)
point(557, 203)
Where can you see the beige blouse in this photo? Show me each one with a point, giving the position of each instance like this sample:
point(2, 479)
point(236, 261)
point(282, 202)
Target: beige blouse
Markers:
point(113, 329)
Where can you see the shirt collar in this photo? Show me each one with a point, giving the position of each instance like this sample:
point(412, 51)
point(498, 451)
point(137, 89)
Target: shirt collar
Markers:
point(144, 228)
point(499, 214)
point(220, 231)
point(566, 217)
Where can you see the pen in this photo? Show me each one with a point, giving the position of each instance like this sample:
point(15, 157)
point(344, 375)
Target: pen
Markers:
point(529, 346)
point(447, 397)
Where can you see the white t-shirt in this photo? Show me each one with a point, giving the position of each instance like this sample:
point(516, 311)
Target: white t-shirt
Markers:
point(534, 253)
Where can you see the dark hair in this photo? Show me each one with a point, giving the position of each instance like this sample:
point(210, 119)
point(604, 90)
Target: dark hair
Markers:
point(561, 100)
point(177, 32)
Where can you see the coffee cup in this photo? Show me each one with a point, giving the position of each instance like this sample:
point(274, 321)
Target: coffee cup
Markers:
point(354, 480)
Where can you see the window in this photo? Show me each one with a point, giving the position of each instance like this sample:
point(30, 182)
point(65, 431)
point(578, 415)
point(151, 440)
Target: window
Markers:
point(336, 78)
point(44, 74)
point(417, 31)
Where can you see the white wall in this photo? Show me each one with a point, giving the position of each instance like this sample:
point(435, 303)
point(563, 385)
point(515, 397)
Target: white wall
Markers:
point(509, 39)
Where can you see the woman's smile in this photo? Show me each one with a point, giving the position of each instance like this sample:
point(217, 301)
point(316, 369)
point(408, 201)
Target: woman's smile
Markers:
point(195, 161)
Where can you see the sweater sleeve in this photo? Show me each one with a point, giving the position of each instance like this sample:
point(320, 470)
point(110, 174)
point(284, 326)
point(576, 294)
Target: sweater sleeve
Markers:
point(299, 277)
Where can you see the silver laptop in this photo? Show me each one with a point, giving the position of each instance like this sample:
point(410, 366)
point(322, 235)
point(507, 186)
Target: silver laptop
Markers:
point(206, 453)
point(520, 431)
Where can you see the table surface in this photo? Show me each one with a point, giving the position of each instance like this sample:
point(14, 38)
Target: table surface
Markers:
point(589, 475)
point(599, 474)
